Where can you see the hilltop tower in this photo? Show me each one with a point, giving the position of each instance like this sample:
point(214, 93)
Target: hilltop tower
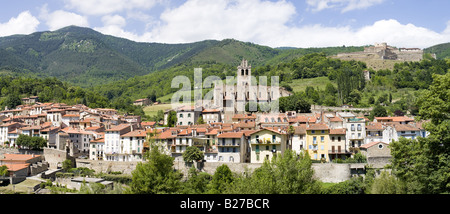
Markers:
point(244, 73)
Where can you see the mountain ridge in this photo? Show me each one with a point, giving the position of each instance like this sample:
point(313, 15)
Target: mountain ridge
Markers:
point(87, 58)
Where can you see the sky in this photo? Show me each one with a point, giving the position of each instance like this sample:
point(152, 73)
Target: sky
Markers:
point(274, 23)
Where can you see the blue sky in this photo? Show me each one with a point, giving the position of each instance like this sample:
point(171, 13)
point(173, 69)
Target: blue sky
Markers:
point(275, 23)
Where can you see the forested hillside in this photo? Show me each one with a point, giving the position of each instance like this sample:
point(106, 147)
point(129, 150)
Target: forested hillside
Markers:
point(442, 51)
point(88, 58)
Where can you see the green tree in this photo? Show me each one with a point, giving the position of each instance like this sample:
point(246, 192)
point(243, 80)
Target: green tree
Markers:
point(221, 180)
point(67, 165)
point(423, 164)
point(31, 142)
point(200, 120)
point(197, 183)
point(371, 100)
point(172, 119)
point(156, 175)
point(387, 184)
point(295, 103)
point(12, 100)
point(3, 170)
point(192, 153)
point(378, 111)
point(285, 174)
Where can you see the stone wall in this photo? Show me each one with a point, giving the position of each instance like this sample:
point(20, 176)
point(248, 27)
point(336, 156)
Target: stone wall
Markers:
point(379, 162)
point(55, 157)
point(326, 172)
point(108, 166)
point(331, 172)
point(210, 167)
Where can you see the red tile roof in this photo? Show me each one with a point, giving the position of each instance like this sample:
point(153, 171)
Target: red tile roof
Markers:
point(368, 145)
point(231, 135)
point(317, 126)
point(135, 133)
point(337, 131)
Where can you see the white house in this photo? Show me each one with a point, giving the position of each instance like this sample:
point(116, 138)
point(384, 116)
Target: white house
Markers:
point(112, 141)
point(299, 138)
point(230, 147)
point(132, 145)
point(356, 131)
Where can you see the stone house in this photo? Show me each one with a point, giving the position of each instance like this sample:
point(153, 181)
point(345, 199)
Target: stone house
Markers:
point(378, 153)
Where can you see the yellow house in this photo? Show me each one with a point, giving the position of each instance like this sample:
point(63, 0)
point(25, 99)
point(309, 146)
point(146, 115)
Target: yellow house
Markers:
point(317, 140)
point(266, 142)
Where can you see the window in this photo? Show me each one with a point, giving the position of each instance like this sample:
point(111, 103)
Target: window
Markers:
point(313, 132)
point(359, 127)
point(181, 115)
point(189, 114)
point(257, 148)
point(267, 147)
point(380, 146)
point(323, 131)
point(274, 138)
point(314, 139)
point(353, 127)
point(322, 138)
point(339, 139)
point(332, 138)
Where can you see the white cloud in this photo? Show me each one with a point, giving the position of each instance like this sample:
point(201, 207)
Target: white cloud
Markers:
point(114, 20)
point(24, 23)
point(113, 25)
point(270, 23)
point(390, 31)
point(245, 20)
point(104, 7)
point(60, 18)
point(343, 5)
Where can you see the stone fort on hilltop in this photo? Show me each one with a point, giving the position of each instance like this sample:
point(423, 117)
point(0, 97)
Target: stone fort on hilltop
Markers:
point(383, 56)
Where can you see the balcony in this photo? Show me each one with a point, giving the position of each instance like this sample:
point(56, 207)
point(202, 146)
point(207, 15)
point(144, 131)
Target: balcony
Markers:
point(229, 145)
point(338, 151)
point(265, 141)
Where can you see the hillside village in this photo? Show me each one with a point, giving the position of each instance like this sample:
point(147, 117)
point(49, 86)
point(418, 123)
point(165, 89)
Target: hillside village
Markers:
point(224, 137)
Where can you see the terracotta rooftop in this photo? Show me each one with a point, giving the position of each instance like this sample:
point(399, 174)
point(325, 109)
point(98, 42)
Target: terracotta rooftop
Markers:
point(368, 145)
point(118, 127)
point(317, 126)
point(231, 135)
point(376, 126)
point(244, 116)
point(135, 133)
point(301, 129)
point(337, 131)
point(18, 157)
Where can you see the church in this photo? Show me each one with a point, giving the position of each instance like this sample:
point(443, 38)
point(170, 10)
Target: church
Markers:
point(232, 98)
